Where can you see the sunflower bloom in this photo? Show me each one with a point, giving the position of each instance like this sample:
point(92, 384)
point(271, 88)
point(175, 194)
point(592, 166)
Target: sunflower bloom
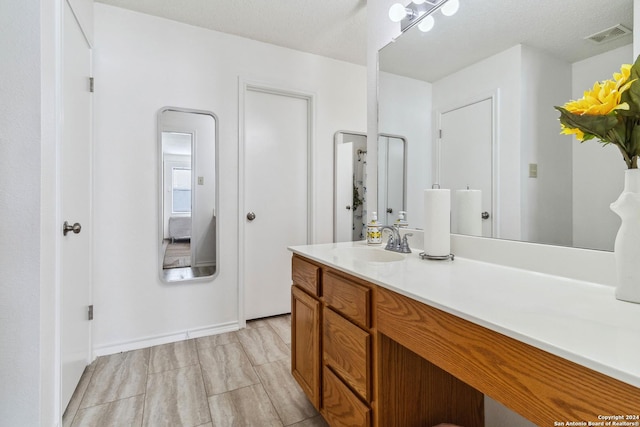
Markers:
point(572, 131)
point(604, 97)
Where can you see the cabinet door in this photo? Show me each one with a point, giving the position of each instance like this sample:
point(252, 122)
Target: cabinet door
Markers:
point(305, 343)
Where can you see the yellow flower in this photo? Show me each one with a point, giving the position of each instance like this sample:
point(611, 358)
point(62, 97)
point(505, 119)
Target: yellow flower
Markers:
point(572, 131)
point(604, 97)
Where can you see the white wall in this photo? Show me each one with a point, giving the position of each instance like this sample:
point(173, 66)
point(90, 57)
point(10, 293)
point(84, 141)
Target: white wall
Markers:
point(546, 209)
point(597, 171)
point(20, 174)
point(143, 63)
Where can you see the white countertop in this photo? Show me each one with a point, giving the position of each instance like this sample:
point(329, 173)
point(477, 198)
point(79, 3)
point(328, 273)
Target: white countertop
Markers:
point(580, 321)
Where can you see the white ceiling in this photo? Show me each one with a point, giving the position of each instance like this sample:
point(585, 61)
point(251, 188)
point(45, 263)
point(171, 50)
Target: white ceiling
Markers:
point(337, 28)
point(331, 28)
point(482, 28)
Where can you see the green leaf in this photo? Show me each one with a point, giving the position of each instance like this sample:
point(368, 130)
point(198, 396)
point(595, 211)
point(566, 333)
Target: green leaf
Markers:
point(598, 126)
point(632, 95)
point(634, 142)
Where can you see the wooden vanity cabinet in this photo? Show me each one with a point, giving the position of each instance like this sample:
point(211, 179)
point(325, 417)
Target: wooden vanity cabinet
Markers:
point(347, 342)
point(369, 356)
point(356, 376)
point(305, 328)
point(331, 345)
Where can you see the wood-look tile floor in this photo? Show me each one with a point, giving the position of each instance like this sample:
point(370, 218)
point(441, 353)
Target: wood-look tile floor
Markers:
point(238, 378)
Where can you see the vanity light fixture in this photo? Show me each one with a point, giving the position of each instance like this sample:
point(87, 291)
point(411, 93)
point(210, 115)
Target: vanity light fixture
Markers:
point(427, 24)
point(450, 8)
point(398, 12)
point(415, 12)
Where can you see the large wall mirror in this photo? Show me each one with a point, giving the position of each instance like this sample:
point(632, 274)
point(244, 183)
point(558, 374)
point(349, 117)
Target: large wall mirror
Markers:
point(479, 90)
point(188, 184)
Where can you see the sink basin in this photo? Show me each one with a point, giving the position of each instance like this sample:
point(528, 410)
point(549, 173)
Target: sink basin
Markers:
point(367, 254)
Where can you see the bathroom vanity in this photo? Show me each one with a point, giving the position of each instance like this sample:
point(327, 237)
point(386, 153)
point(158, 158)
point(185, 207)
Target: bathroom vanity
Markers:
point(383, 339)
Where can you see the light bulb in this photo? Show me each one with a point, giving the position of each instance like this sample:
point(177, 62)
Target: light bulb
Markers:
point(426, 24)
point(397, 12)
point(450, 8)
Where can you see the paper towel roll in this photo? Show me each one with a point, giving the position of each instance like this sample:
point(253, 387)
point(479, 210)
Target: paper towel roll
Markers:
point(437, 222)
point(469, 212)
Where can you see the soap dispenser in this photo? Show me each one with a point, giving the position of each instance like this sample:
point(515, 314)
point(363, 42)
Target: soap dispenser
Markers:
point(374, 235)
point(401, 222)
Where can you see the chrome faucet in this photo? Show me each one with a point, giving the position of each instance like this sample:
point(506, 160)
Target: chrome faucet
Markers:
point(395, 243)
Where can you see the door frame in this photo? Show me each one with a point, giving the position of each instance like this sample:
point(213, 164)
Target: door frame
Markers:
point(244, 86)
point(494, 97)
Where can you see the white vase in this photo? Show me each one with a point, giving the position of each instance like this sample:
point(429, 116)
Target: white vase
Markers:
point(627, 245)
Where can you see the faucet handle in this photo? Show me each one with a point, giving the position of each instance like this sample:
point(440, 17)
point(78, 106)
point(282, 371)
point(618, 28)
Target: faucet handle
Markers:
point(390, 243)
point(404, 248)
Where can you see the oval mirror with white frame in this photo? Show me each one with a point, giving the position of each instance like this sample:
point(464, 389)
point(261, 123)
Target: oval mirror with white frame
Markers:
point(188, 199)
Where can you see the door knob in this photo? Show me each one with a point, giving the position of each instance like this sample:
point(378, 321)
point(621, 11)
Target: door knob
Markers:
point(348, 208)
point(485, 215)
point(251, 216)
point(66, 227)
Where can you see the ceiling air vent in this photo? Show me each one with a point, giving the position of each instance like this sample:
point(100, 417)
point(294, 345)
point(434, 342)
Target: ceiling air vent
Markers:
point(609, 34)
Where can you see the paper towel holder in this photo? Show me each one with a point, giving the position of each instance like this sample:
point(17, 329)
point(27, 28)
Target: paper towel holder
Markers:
point(424, 255)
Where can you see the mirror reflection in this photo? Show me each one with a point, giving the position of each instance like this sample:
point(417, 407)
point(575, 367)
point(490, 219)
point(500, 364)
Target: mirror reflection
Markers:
point(188, 194)
point(479, 90)
point(350, 169)
point(391, 178)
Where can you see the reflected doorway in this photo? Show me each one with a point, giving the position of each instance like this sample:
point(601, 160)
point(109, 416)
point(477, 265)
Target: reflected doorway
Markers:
point(350, 164)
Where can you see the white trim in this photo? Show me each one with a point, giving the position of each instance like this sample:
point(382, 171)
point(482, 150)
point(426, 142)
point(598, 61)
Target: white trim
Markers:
point(494, 97)
point(245, 85)
point(50, 240)
point(154, 340)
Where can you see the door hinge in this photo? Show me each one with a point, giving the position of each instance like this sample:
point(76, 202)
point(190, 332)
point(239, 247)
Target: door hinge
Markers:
point(440, 132)
point(91, 312)
point(91, 84)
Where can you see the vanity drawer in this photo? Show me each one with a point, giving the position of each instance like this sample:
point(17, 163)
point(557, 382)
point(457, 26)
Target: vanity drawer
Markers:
point(340, 406)
point(346, 349)
point(348, 298)
point(305, 275)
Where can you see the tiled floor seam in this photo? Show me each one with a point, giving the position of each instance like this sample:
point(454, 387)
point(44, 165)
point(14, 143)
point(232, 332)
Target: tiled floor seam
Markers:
point(146, 384)
point(204, 382)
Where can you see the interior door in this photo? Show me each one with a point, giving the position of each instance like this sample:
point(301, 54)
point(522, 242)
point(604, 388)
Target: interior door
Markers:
point(276, 129)
point(75, 170)
point(466, 155)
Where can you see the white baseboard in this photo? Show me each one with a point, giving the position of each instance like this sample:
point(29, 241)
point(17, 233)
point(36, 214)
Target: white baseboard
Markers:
point(164, 339)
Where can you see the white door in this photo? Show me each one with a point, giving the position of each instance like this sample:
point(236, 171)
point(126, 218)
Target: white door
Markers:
point(466, 155)
point(75, 169)
point(344, 192)
point(275, 215)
